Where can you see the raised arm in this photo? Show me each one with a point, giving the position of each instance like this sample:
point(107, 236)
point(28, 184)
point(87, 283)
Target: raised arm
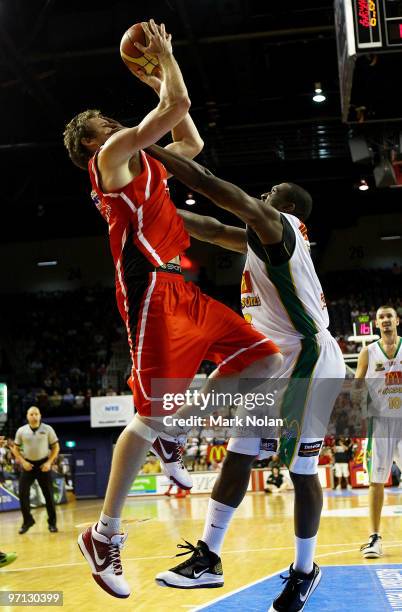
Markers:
point(208, 229)
point(263, 218)
point(186, 138)
point(173, 106)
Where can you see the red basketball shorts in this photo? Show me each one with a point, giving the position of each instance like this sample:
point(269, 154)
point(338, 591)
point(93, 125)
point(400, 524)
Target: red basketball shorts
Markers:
point(174, 327)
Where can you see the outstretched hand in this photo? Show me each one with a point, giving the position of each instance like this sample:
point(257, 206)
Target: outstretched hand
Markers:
point(159, 41)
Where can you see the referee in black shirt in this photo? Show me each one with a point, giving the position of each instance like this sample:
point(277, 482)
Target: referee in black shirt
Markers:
point(36, 439)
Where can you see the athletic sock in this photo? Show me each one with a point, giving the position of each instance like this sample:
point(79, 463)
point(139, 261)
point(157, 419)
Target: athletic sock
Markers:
point(216, 525)
point(305, 549)
point(108, 526)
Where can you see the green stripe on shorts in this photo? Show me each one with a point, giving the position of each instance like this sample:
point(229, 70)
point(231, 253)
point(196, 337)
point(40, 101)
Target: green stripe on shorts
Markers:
point(368, 459)
point(295, 397)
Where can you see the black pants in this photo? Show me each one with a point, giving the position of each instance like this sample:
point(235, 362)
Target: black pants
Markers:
point(45, 482)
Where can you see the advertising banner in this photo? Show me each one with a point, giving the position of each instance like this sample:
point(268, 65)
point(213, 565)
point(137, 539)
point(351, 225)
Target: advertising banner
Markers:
point(112, 411)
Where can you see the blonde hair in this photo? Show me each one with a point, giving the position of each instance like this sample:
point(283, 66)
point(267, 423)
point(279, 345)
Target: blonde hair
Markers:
point(75, 130)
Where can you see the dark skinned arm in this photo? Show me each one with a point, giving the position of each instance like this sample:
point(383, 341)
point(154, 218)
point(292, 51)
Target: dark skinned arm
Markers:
point(208, 229)
point(260, 216)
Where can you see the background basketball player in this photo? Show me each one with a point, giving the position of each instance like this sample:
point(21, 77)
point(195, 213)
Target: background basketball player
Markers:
point(380, 364)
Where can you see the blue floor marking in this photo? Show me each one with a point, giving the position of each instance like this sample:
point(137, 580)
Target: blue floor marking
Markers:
point(342, 588)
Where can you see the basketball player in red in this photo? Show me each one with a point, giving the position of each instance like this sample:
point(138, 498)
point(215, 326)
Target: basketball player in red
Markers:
point(171, 325)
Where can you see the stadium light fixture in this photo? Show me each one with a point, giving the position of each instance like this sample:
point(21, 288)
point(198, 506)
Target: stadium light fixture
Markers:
point(190, 201)
point(318, 94)
point(44, 264)
point(363, 186)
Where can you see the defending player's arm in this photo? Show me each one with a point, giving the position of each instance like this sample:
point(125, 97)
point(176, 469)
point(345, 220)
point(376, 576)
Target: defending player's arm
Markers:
point(208, 229)
point(261, 217)
point(173, 106)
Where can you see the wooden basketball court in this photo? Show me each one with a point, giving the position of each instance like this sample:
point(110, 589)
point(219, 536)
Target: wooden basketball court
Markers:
point(259, 543)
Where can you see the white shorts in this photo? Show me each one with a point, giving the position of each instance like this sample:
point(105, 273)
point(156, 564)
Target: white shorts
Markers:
point(341, 469)
point(384, 445)
point(316, 371)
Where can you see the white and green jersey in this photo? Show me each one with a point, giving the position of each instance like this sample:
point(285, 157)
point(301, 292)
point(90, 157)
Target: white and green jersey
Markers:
point(384, 381)
point(284, 301)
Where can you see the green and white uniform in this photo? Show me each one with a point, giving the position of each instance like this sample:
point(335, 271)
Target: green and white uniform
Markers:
point(384, 384)
point(282, 297)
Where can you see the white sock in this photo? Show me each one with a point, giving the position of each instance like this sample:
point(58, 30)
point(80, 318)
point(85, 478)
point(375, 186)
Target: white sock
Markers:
point(108, 526)
point(216, 525)
point(305, 549)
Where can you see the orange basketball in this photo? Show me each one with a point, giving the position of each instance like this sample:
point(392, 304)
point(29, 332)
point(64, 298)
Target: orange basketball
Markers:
point(132, 56)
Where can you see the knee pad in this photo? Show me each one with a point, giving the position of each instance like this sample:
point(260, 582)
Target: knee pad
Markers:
point(142, 430)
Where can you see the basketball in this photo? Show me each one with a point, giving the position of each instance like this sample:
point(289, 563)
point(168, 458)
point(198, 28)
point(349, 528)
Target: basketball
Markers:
point(132, 56)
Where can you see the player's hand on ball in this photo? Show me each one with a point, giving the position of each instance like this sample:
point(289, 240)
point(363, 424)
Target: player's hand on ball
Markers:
point(159, 41)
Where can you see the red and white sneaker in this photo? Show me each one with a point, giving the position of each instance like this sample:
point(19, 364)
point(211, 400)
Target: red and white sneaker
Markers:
point(170, 451)
point(103, 556)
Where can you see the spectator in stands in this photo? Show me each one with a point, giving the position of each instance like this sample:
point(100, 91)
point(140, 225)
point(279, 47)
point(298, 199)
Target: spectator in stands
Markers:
point(276, 482)
point(55, 399)
point(79, 400)
point(342, 451)
point(326, 456)
point(68, 397)
point(274, 462)
point(151, 466)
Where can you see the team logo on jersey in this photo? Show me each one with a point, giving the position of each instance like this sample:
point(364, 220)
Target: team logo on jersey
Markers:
point(246, 285)
point(393, 378)
point(303, 231)
point(104, 209)
point(379, 367)
point(95, 199)
point(250, 301)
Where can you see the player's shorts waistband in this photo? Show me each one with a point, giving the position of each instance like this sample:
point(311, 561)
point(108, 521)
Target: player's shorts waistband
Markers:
point(321, 337)
point(171, 268)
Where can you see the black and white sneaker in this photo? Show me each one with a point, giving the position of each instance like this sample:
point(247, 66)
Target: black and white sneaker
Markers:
point(373, 548)
point(299, 587)
point(202, 571)
point(170, 453)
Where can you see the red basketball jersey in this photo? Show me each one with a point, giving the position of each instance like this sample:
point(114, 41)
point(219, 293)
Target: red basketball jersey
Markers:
point(142, 212)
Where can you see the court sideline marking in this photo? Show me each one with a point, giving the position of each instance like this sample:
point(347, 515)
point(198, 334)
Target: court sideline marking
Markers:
point(228, 552)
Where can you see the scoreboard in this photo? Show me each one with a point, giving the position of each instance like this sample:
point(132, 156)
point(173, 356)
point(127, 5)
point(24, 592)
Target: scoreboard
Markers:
point(364, 27)
point(362, 326)
point(378, 24)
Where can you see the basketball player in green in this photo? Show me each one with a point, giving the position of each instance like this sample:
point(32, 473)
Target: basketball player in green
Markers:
point(283, 299)
point(380, 364)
